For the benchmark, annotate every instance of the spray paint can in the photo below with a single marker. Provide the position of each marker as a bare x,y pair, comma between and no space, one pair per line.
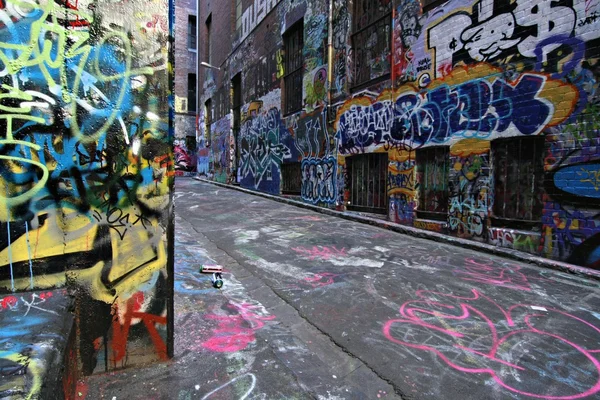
217,280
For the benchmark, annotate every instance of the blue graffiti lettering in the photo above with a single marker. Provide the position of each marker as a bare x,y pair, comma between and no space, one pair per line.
476,108
318,183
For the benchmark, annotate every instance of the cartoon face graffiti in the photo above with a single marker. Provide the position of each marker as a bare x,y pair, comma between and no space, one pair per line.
488,39
410,28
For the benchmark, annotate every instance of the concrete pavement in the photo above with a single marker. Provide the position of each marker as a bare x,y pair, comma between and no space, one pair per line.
239,342
319,307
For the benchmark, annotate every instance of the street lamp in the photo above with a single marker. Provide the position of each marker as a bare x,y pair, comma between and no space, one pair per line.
207,65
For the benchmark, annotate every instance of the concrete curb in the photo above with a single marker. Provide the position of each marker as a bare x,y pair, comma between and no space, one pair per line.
420,233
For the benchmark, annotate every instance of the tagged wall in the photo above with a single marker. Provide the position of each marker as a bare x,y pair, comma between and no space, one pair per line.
463,76
86,168
469,73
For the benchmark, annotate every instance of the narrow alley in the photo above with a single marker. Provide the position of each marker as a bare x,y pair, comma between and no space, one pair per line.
315,306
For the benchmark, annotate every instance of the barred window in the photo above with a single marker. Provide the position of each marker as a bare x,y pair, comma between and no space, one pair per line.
432,176
294,67
367,174
291,178
518,173
371,40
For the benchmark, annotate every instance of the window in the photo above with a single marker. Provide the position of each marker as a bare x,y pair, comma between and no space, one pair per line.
367,174
208,120
208,44
192,32
190,143
291,178
191,93
238,17
431,4
292,80
432,176
518,173
371,40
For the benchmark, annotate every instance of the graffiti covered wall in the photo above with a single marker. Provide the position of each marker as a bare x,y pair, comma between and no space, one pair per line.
476,77
468,73
86,168
268,138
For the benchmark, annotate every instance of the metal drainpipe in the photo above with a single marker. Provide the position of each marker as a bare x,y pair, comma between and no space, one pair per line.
329,56
330,71
393,49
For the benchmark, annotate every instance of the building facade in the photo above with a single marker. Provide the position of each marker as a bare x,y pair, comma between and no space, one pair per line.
477,119
186,39
87,182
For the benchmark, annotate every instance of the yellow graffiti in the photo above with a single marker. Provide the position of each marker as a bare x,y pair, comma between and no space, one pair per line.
470,146
130,267
592,177
10,202
253,110
32,380
408,177
279,58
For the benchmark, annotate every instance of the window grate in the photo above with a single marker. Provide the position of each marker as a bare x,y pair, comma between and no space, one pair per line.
291,177
432,169
518,172
368,174
294,67
371,40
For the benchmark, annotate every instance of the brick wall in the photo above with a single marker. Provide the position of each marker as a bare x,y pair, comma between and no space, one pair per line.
185,63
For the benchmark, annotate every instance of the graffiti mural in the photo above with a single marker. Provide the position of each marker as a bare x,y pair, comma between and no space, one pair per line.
466,75
478,108
86,162
318,180
261,151
219,149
